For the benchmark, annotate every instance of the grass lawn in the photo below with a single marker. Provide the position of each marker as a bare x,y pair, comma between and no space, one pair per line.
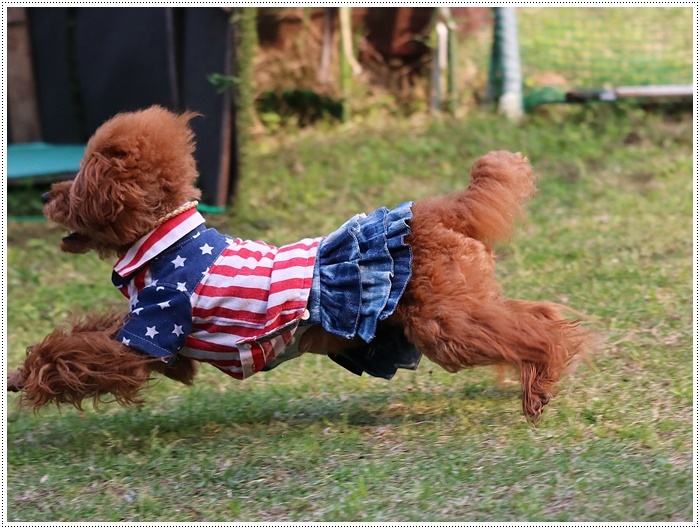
610,234
597,46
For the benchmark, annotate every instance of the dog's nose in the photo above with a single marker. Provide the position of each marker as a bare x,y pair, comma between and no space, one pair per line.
46,197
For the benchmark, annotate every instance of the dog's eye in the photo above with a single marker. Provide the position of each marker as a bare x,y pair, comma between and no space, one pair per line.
114,152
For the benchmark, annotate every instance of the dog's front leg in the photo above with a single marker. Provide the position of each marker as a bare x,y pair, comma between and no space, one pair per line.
81,361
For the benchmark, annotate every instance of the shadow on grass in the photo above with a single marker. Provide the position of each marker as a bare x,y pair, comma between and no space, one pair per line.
260,413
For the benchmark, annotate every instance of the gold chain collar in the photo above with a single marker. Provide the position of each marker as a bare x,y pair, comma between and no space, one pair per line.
185,207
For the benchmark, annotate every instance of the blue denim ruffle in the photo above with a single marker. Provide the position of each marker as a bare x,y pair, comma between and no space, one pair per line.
361,272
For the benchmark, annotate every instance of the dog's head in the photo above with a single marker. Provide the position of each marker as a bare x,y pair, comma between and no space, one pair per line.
138,167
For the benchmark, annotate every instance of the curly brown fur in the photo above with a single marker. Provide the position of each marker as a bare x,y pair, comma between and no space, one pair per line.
84,361
453,309
139,166
488,209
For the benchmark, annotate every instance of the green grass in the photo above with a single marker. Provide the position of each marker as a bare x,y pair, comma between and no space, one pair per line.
597,46
610,234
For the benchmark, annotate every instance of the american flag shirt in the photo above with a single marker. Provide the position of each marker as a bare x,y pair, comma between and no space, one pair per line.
232,303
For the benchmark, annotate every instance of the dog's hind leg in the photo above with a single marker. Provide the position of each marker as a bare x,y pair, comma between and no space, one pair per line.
565,338
454,313
464,332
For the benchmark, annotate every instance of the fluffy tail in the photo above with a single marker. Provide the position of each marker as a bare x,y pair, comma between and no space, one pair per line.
487,210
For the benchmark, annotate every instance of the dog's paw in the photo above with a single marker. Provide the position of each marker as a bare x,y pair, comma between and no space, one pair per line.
533,410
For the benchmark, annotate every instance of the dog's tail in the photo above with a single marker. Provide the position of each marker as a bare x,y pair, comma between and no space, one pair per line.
487,210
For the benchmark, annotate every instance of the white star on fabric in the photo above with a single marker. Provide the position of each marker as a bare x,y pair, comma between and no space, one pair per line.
126,341
179,261
178,330
182,287
137,311
229,241
151,331
134,301
206,249
164,304
154,282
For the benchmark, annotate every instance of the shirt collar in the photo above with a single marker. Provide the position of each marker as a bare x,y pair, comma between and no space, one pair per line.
155,242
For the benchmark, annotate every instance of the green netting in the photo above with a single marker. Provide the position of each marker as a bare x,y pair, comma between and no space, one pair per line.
575,48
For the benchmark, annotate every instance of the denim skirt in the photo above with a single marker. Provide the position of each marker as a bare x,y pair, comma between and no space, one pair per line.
361,272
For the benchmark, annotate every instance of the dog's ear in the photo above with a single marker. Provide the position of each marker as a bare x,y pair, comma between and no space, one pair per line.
154,146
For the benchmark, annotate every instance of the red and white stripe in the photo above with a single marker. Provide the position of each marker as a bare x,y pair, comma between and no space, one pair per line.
248,305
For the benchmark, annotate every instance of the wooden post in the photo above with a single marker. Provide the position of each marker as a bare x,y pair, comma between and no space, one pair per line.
326,49
451,60
349,66
511,100
246,39
440,54
21,88
345,15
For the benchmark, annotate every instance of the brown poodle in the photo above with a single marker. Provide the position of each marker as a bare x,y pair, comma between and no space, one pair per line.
373,296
